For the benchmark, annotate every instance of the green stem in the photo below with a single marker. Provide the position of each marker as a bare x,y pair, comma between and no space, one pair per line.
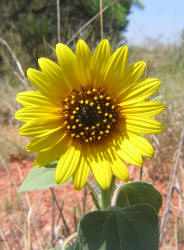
106,195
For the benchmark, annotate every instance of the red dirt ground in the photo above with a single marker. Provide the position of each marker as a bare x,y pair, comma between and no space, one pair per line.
14,232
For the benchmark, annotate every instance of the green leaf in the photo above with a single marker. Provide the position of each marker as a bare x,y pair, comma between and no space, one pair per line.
139,192
131,228
157,98
94,192
95,201
40,178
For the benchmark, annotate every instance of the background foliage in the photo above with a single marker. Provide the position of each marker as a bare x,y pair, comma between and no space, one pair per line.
35,21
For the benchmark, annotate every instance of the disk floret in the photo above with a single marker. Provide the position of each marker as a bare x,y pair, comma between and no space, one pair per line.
90,114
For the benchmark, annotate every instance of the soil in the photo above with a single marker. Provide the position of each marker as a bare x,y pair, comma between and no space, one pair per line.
26,218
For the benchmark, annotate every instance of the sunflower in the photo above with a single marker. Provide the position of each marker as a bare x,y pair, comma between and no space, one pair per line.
89,113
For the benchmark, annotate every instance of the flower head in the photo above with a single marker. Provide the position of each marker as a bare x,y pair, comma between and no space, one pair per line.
88,113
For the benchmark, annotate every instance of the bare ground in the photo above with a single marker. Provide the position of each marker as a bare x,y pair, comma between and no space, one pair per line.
26,220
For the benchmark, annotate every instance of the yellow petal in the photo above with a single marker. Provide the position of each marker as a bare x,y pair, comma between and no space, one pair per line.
143,125
48,156
68,63
81,174
34,98
54,74
141,144
99,60
46,142
129,76
101,170
27,114
127,152
39,128
67,164
144,108
119,169
116,66
40,81
83,57
139,91
133,73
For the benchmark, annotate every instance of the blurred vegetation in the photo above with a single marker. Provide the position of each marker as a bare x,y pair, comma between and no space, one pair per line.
34,22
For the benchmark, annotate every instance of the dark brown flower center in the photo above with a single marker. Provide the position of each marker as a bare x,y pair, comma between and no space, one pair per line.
90,114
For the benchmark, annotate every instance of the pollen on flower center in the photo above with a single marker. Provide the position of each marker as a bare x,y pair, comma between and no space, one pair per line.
90,114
